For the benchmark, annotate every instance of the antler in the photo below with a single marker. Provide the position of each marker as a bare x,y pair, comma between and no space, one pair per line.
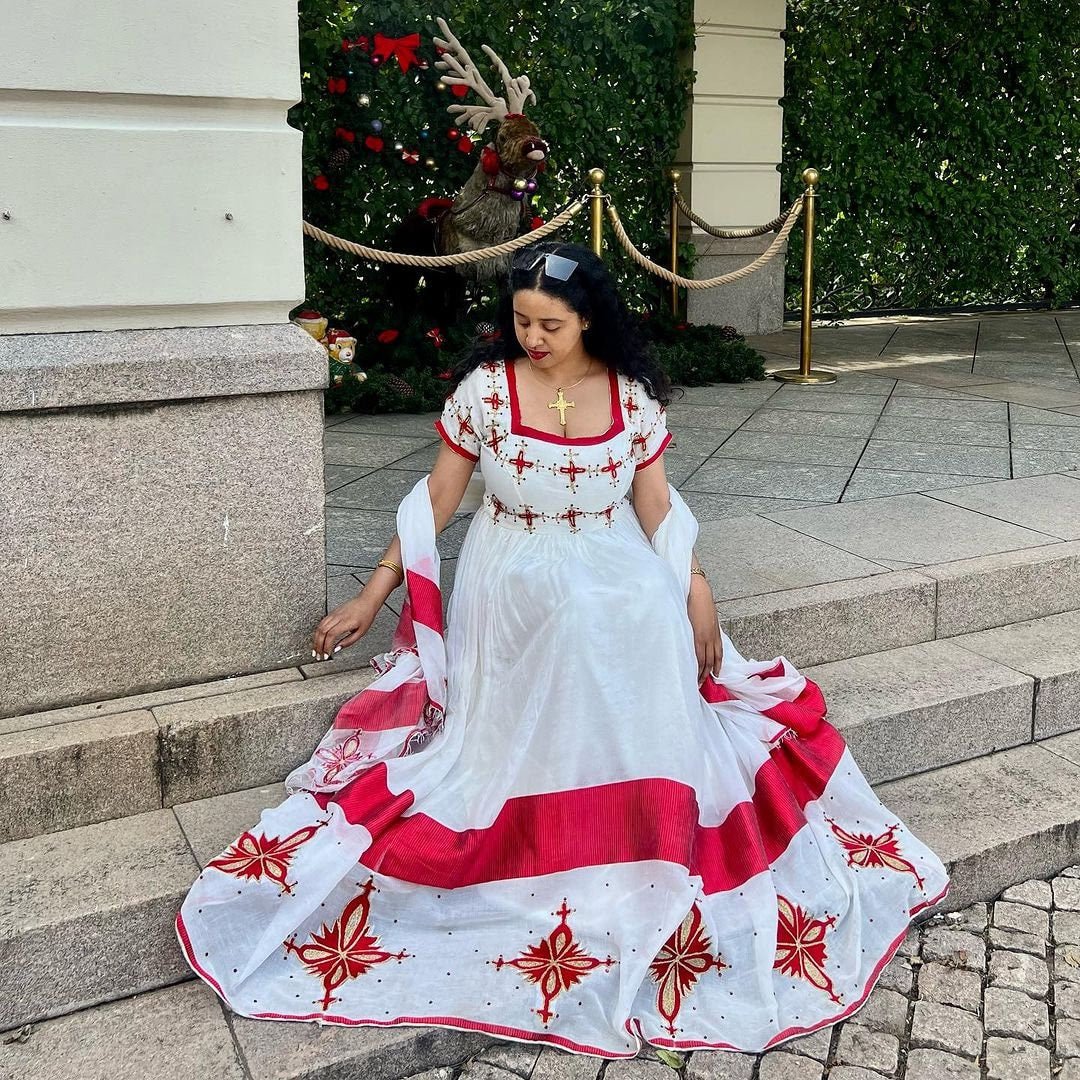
463,72
518,91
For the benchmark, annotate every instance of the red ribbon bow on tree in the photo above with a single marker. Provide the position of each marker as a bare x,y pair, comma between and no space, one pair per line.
404,48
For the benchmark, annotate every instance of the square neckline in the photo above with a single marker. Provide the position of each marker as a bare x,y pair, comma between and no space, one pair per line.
517,427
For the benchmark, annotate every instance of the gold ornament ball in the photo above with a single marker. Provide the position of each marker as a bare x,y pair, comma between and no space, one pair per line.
440,85
520,185
811,177
429,162
364,99
399,147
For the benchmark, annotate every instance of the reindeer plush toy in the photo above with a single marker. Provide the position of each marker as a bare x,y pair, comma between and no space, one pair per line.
493,206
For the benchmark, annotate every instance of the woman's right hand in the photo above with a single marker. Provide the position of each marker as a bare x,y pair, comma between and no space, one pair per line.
344,626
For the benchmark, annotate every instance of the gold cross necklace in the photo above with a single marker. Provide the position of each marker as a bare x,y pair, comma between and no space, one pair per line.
560,401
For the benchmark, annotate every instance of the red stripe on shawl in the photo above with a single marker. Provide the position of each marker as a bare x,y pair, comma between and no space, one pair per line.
380,710
425,599
628,821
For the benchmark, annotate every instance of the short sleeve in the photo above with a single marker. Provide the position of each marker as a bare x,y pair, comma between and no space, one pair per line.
651,435
459,423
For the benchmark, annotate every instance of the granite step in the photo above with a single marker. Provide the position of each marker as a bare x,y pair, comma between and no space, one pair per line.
88,913
91,763
884,649
818,624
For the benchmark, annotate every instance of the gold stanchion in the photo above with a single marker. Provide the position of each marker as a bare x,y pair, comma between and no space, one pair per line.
674,176
596,210
803,374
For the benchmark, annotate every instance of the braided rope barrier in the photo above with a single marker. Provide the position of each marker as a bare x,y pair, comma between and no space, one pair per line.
729,234
459,259
771,251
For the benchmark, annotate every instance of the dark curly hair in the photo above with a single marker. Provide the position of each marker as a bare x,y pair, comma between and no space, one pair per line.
612,336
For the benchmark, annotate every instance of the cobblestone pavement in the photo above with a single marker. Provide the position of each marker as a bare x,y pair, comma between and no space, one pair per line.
988,993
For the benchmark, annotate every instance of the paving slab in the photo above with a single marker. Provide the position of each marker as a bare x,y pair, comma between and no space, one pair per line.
380,490
179,1033
707,506
87,915
937,457
1025,414
407,424
1027,462
756,390
1047,649
708,416
1045,437
748,555
696,442
867,614
360,537
932,431
64,775
909,528
803,422
996,820
869,483
923,706
727,476
817,449
345,447
825,401
968,410
1040,397
236,741
1047,504
1011,586
336,476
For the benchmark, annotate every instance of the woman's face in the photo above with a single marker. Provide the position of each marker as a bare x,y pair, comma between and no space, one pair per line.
548,329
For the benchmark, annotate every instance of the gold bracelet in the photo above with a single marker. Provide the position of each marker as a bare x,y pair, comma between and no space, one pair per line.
392,566
698,570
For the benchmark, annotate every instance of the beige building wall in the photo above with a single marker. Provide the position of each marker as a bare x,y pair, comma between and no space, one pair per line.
128,133
730,151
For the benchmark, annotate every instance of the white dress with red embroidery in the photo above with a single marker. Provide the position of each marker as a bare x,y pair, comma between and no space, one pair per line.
539,825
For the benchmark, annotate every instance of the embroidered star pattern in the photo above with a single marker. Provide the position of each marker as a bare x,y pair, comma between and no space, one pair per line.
867,850
345,949
251,856
557,963
800,946
684,959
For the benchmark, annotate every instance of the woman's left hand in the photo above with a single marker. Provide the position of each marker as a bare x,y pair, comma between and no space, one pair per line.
702,611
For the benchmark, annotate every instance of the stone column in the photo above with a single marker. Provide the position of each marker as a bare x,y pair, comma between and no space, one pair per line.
161,516
729,155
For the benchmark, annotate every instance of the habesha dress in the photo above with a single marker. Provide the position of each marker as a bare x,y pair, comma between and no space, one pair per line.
539,825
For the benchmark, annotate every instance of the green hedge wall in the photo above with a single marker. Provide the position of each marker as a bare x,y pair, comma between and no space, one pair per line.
948,138
611,92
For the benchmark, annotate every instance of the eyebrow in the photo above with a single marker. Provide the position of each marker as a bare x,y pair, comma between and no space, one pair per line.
549,318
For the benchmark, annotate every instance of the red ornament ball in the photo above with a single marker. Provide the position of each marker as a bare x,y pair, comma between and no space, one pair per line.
374,143
320,183
465,144
453,134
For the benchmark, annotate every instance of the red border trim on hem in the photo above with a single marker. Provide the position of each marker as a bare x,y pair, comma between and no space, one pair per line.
518,428
453,445
663,446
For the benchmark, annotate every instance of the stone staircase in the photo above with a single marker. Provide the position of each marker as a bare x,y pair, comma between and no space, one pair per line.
957,687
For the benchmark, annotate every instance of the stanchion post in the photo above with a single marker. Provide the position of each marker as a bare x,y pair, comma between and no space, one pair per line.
804,374
674,176
596,210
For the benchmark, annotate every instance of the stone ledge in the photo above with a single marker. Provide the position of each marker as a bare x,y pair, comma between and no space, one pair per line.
65,371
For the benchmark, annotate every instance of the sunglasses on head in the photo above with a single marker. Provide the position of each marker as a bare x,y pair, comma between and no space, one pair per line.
555,266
